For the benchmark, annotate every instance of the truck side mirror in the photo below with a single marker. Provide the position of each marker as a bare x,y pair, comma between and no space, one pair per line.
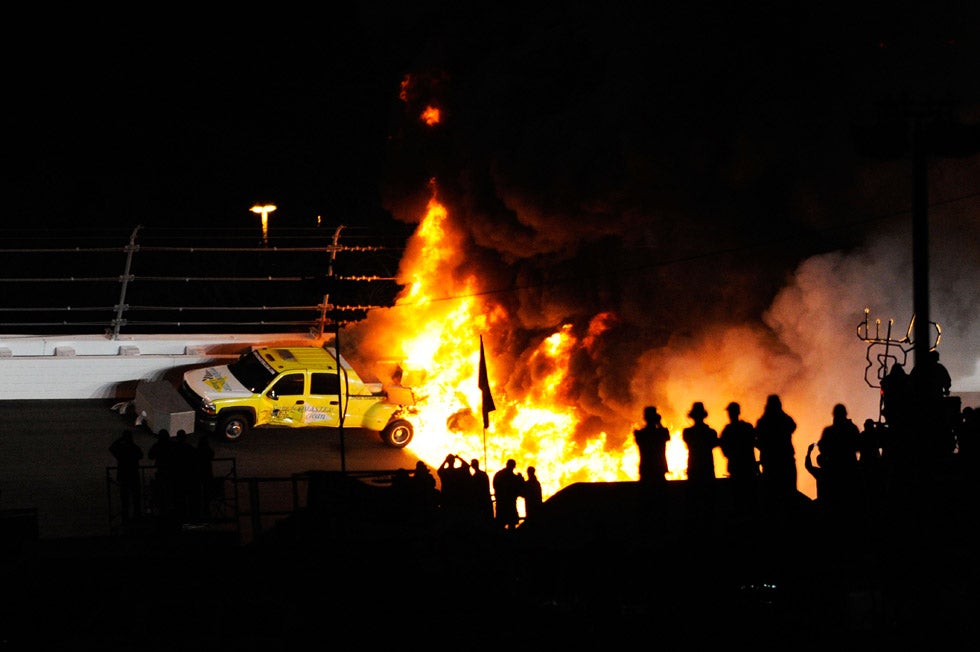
272,394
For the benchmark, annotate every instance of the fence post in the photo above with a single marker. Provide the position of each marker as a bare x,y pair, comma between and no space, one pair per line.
124,282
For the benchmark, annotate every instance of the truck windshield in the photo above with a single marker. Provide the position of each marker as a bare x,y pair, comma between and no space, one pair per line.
252,371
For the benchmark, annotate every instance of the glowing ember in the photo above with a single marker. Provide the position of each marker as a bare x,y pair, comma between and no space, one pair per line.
431,115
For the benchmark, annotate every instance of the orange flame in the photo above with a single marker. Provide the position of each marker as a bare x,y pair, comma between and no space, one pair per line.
431,115
440,321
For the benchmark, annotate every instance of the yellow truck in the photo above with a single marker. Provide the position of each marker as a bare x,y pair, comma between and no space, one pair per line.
295,387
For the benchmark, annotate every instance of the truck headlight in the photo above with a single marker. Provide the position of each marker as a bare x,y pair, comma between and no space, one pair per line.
207,407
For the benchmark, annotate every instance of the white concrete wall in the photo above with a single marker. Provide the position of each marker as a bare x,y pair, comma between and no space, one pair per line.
89,367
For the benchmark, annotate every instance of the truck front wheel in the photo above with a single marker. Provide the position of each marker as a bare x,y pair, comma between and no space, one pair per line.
233,427
398,433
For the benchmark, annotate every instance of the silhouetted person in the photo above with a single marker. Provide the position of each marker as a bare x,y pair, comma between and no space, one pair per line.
481,498
425,495
968,437
401,481
968,453
128,455
933,427
896,396
737,443
701,440
896,434
532,494
205,474
869,460
931,379
454,479
838,460
828,501
816,470
651,442
839,441
869,444
507,488
777,456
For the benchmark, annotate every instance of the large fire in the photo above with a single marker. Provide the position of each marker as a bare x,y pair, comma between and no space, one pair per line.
596,292
589,316
437,323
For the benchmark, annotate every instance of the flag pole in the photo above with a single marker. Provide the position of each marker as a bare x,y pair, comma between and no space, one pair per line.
486,399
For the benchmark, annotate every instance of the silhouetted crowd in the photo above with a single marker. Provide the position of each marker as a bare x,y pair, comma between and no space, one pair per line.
463,493
884,545
921,437
181,489
921,431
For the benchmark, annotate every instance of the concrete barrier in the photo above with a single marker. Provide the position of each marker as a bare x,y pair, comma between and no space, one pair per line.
98,367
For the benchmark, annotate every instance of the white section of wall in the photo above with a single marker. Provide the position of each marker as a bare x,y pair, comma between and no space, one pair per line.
91,367
30,345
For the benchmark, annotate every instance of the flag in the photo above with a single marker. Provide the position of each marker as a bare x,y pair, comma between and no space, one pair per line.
487,401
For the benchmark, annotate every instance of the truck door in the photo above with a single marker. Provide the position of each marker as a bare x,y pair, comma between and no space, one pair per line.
287,397
323,407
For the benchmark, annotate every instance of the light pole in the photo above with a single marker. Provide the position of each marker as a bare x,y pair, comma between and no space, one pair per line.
264,212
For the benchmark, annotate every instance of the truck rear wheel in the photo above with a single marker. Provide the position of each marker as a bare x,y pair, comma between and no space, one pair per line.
398,433
233,427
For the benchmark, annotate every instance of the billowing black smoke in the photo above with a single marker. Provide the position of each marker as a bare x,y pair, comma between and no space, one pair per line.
697,181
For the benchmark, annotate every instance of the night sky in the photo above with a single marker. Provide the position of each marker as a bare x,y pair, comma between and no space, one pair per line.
171,122
697,111
598,156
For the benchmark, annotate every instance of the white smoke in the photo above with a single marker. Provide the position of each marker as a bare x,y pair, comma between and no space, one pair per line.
733,243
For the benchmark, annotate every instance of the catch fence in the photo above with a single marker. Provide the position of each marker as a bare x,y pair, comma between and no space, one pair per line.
196,281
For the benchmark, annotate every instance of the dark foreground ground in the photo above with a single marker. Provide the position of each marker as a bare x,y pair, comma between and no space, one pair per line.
598,569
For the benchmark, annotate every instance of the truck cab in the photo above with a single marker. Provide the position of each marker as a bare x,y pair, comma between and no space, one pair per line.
295,387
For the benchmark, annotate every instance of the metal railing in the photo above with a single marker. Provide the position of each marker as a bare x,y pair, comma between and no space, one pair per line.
244,507
165,286
153,501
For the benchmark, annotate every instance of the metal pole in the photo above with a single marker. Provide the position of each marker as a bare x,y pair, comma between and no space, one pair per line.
125,279
342,397
322,327
340,367
333,252
326,300
920,242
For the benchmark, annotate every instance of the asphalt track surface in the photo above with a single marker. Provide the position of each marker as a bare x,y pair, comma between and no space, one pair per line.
54,455
598,570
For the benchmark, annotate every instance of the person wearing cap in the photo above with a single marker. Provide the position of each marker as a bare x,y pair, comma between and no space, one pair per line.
701,440
737,442
651,441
